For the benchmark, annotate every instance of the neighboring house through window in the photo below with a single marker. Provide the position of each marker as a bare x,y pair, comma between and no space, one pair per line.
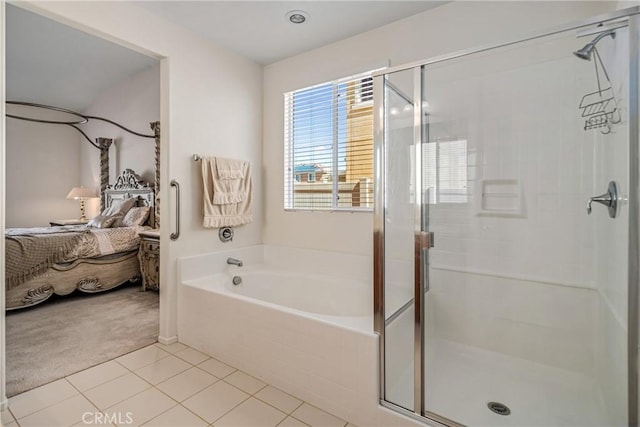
329,146
365,90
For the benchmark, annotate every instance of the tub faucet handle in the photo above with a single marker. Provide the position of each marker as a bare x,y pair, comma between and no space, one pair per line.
234,261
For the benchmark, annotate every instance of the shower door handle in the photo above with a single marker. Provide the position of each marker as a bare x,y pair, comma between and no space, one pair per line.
426,239
609,199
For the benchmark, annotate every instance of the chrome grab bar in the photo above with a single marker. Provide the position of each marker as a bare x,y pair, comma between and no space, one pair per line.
174,236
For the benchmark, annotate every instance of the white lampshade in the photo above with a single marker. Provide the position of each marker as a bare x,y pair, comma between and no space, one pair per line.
81,193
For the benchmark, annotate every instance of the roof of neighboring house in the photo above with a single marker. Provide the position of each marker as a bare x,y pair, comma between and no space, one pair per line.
305,168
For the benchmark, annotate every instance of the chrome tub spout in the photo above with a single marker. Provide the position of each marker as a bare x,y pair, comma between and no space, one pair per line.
233,261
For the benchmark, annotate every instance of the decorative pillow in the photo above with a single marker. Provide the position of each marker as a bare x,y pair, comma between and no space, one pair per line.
102,221
136,216
120,207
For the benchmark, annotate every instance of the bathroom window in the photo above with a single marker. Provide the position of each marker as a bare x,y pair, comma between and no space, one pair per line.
329,146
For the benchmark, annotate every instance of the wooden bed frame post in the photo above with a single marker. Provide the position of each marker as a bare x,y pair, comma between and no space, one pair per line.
155,126
104,144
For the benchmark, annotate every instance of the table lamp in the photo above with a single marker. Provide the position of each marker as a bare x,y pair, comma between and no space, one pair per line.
81,193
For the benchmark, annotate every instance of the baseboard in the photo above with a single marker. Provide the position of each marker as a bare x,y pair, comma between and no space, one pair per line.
167,341
4,404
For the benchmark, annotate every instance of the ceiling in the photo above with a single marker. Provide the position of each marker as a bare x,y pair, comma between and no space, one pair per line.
259,29
53,64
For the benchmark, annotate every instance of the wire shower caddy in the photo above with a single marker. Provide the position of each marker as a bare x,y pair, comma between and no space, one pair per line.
600,108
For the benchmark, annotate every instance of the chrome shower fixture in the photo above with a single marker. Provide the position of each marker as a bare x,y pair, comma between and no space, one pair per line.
585,52
599,109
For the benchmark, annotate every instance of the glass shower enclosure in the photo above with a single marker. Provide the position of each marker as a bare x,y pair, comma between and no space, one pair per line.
506,231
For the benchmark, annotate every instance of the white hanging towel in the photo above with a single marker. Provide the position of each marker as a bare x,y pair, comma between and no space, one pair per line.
227,192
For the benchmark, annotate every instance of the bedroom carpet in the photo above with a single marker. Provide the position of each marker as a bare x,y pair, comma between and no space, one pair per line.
68,334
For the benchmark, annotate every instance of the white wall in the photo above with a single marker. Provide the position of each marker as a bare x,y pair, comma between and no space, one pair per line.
210,104
133,103
448,28
43,164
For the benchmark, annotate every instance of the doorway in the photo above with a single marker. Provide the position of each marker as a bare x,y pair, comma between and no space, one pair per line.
53,64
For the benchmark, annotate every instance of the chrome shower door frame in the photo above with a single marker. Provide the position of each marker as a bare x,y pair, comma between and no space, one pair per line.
633,262
633,273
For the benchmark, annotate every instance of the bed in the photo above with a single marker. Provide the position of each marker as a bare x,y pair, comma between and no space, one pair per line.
59,260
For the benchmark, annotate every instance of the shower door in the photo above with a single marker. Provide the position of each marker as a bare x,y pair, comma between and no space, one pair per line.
505,270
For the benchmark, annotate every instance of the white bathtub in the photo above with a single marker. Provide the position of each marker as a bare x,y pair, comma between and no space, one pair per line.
307,333
343,302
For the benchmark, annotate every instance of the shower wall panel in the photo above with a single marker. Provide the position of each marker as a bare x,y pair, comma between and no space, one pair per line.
514,281
611,164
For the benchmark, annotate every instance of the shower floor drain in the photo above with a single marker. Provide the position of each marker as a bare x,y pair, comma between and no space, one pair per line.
499,408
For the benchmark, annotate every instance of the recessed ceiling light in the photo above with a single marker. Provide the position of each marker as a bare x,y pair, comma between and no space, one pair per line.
297,16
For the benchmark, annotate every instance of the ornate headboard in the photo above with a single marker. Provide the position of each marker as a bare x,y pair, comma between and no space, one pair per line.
129,185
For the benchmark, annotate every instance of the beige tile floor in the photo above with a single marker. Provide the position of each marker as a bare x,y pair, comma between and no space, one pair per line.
159,385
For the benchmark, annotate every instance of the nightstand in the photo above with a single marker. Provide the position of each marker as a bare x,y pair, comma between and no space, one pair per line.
149,257
68,222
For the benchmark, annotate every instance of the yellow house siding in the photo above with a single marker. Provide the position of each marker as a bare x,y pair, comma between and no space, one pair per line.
359,152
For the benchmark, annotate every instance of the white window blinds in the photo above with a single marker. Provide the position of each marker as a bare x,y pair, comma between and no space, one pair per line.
329,146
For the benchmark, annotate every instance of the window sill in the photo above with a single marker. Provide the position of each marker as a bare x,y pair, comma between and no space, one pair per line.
363,210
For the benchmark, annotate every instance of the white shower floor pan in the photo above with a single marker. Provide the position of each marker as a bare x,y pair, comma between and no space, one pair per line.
461,381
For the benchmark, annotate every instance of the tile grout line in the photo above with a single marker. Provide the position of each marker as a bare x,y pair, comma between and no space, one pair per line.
15,419
222,378
239,403
143,391
249,396
161,413
166,379
266,384
189,348
83,395
126,398
140,367
57,403
326,412
97,385
178,403
191,395
188,410
48,406
267,403
154,386
302,402
291,416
